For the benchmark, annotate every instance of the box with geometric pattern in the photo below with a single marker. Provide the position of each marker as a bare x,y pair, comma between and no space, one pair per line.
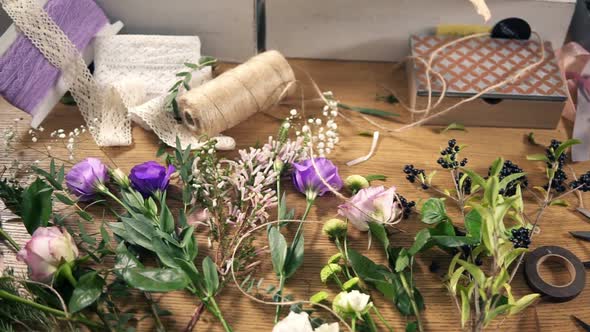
469,66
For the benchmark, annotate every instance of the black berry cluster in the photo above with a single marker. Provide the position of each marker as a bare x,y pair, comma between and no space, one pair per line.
510,168
412,173
583,182
406,205
448,157
521,237
558,182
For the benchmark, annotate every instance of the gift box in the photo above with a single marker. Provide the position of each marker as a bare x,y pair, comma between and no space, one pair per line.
535,100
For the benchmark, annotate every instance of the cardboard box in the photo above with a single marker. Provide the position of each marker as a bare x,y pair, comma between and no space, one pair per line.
227,28
536,100
378,30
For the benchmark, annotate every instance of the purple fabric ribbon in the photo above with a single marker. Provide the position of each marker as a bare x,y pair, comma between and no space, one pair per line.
25,75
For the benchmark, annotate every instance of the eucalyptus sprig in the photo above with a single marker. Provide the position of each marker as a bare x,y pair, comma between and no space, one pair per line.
184,81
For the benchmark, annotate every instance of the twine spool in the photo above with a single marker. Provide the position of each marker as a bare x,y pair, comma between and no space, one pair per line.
237,94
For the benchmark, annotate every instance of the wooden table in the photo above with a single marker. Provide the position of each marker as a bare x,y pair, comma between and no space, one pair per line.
357,83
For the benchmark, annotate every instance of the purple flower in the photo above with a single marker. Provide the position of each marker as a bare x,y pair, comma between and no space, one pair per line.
47,249
149,177
308,182
86,178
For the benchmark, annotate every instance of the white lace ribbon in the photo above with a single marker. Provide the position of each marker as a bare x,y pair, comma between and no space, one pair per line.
106,108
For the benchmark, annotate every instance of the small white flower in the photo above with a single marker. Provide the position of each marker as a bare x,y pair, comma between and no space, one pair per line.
310,121
318,122
353,302
34,139
294,323
286,125
293,112
62,136
328,328
60,131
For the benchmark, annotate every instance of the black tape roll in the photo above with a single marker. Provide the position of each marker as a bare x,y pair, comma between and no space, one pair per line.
556,293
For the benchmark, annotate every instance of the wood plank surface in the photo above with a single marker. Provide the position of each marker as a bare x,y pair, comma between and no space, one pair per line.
354,83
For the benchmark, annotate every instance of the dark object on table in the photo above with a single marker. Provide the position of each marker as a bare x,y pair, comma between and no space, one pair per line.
512,28
581,323
549,291
580,25
584,212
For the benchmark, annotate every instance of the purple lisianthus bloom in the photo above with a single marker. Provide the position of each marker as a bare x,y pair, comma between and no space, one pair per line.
309,182
375,204
149,177
87,178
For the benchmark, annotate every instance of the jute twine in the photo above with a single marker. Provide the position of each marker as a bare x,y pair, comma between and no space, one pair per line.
237,94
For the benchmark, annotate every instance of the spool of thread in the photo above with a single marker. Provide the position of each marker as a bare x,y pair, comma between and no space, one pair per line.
551,291
27,80
237,94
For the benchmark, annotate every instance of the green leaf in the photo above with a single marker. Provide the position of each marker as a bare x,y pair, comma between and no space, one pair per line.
125,260
64,199
328,271
565,145
191,65
210,276
36,205
473,224
559,202
454,280
50,177
278,250
294,257
476,178
454,126
412,327
454,241
139,231
537,157
375,177
87,291
165,253
419,241
402,261
191,271
378,230
318,297
84,215
443,228
433,211
166,219
492,191
496,167
531,138
523,303
507,180
475,271
155,279
366,133
465,308
370,111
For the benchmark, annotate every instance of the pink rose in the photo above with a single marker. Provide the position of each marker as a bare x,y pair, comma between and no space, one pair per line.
47,249
371,204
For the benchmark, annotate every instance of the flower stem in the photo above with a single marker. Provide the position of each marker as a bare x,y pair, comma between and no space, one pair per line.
56,312
410,293
9,239
382,319
217,312
67,272
353,324
279,297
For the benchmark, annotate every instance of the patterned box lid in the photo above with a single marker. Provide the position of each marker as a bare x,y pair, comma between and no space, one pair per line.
474,64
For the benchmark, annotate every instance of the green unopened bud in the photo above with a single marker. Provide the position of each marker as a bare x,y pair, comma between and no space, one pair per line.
335,228
355,183
120,178
284,131
279,165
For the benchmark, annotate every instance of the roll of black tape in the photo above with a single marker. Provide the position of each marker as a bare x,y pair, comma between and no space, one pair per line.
555,293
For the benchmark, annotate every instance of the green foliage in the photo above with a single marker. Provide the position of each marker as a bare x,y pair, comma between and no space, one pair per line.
36,205
11,194
433,211
369,111
185,78
454,126
87,291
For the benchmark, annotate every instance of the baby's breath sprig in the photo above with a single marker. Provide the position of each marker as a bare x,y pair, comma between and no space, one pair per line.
320,132
184,81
